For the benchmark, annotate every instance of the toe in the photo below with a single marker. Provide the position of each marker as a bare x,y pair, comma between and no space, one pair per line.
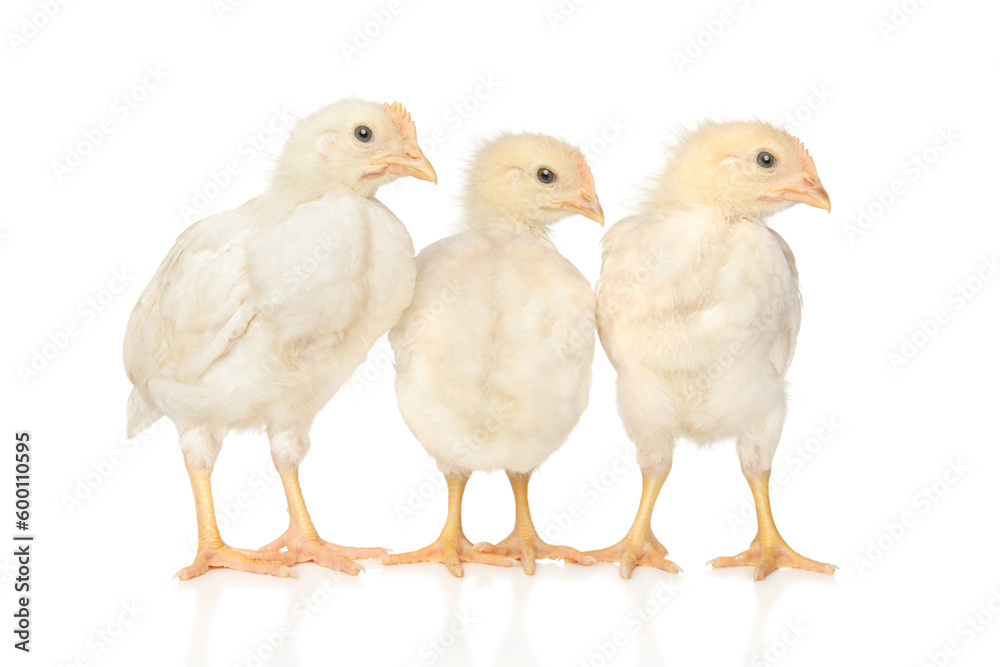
568,554
528,561
354,552
196,569
627,564
332,561
485,547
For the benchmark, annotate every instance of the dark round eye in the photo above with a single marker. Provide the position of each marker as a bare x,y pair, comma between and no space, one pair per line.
765,159
546,175
363,134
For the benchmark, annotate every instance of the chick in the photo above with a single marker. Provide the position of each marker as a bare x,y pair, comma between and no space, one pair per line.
493,357
258,315
698,309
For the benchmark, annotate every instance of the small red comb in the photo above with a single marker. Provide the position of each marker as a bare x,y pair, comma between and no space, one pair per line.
401,117
807,160
585,175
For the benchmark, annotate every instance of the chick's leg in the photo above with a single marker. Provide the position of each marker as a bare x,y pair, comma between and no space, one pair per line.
768,551
640,546
288,447
301,539
451,547
212,551
523,542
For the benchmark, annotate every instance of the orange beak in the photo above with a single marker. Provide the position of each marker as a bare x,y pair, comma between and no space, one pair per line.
409,164
808,191
586,204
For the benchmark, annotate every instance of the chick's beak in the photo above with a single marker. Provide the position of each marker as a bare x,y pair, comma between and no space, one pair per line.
808,191
412,163
586,204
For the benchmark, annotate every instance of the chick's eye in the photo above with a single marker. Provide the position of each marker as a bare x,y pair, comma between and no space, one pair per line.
363,134
765,159
546,175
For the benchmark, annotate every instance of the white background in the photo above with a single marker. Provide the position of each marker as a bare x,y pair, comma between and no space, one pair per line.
865,437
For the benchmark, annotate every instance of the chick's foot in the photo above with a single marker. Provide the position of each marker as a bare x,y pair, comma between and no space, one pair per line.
767,555
638,548
219,554
527,547
306,546
452,550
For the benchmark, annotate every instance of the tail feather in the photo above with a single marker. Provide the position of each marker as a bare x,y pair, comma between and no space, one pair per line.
141,415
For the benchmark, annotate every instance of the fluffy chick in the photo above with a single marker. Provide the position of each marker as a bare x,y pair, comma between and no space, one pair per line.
698,310
493,357
258,315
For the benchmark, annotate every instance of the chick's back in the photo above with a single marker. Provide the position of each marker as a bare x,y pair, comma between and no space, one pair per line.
494,353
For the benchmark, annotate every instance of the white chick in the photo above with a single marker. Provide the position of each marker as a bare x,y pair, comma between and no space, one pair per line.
258,315
493,357
698,310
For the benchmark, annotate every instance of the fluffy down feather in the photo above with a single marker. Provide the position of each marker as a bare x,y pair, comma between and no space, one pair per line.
493,356
258,315
698,309
698,300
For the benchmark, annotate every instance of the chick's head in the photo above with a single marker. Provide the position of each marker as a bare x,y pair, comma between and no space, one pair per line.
531,179
352,145
744,168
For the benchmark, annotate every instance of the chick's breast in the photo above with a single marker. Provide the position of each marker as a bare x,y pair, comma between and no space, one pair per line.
698,315
494,353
